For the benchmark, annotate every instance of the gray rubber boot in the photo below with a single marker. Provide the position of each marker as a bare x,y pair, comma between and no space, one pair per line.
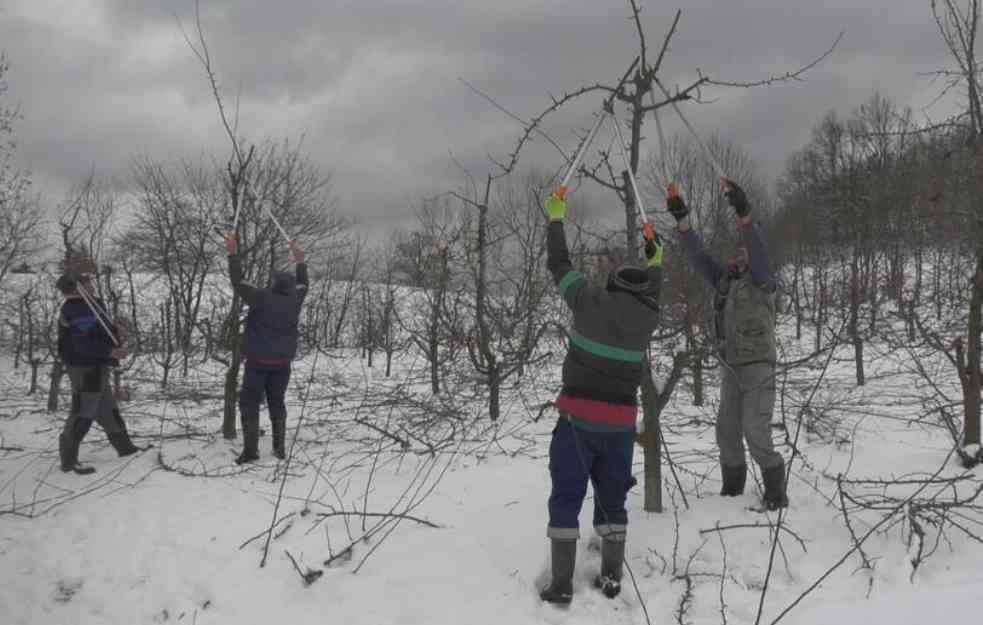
563,557
612,565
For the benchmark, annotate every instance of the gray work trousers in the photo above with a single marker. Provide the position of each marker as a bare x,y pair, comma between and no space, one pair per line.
747,400
92,399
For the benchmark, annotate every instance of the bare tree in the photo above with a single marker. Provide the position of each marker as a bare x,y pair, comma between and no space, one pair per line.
430,257
506,261
21,219
172,235
279,181
388,336
958,24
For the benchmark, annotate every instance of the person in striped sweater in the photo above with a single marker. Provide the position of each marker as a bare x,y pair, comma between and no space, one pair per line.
598,406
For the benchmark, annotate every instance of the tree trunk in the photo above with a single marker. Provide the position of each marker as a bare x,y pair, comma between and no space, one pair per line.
35,365
796,304
972,376
820,299
165,365
937,283
494,392
919,270
698,395
870,287
691,346
485,359
231,394
19,345
653,403
57,371
652,448
855,298
434,366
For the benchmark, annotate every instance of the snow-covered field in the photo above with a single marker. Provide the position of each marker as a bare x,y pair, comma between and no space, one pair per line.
404,508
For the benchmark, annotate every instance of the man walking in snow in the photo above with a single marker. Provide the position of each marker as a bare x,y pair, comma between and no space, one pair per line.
595,434
744,321
87,349
269,345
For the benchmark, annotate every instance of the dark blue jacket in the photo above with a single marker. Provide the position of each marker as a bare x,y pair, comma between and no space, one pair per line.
274,314
82,341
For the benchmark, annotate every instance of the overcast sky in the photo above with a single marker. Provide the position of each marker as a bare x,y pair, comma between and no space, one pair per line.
373,85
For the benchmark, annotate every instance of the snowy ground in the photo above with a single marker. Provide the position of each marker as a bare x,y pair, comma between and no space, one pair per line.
457,519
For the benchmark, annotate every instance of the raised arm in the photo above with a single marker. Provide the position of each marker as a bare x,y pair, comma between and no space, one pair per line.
300,259
246,291
573,284
757,252
702,262
654,252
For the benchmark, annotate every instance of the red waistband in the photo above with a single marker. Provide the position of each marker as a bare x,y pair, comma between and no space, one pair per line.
598,411
266,361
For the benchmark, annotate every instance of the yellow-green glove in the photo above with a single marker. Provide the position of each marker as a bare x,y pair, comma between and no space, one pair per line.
556,208
653,252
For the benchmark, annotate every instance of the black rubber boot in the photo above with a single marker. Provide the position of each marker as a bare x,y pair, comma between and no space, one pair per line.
246,457
279,432
78,467
612,563
122,444
733,480
68,448
67,451
122,426
563,556
774,480
250,438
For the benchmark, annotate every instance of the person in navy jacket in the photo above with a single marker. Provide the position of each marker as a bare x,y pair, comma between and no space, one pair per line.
269,346
88,351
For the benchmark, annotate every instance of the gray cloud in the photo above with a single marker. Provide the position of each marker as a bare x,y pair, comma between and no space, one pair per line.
373,85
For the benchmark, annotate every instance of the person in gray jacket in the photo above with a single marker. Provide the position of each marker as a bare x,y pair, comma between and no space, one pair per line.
744,323
269,346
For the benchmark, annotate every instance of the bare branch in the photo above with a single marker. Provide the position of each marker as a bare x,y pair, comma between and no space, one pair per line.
665,43
495,103
794,75
204,57
636,12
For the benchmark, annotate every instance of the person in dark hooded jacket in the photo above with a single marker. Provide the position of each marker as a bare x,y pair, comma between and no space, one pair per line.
86,346
269,345
594,437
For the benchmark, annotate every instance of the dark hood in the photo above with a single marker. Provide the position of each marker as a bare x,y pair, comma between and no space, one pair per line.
629,279
284,283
